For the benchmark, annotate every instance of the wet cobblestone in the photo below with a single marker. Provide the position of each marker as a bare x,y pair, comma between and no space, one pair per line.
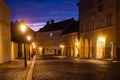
71,69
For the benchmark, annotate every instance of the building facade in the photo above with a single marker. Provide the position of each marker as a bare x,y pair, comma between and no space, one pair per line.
69,40
49,37
19,39
5,42
99,29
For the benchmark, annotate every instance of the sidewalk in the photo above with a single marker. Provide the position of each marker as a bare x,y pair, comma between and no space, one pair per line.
98,61
15,70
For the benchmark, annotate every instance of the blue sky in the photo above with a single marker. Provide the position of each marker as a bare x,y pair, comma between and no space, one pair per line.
37,12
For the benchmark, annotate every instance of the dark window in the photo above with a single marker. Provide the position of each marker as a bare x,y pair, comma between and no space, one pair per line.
98,1
81,10
100,8
99,22
89,5
109,19
119,20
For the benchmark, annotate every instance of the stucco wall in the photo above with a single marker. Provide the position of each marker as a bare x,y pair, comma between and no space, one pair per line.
5,38
50,44
14,50
69,42
108,34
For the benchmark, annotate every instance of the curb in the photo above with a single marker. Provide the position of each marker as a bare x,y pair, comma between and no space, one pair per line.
29,75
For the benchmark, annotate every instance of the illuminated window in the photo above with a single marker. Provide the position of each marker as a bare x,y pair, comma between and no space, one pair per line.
51,34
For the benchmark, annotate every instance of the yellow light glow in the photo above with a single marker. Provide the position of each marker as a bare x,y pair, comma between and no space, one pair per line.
29,38
23,28
40,48
61,46
102,40
33,43
34,46
76,44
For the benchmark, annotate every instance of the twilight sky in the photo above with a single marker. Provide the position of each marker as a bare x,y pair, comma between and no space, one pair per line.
37,12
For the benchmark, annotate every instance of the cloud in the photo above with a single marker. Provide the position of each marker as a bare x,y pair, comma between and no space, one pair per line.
37,12
36,26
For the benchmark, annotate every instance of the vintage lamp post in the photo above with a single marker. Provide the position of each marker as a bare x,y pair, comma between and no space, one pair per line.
29,38
23,29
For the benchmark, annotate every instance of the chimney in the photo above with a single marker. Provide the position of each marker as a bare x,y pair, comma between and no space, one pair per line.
11,22
48,22
52,21
16,21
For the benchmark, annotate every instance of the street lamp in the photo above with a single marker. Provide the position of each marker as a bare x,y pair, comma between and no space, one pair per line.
29,38
23,29
33,44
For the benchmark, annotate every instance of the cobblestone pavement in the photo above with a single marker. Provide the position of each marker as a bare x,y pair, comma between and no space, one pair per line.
64,68
14,70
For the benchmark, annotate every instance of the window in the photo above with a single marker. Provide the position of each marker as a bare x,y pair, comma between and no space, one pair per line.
100,8
81,10
98,1
99,22
119,20
93,23
89,5
51,34
109,19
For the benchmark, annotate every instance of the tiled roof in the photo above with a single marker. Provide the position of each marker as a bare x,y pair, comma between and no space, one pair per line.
56,26
73,27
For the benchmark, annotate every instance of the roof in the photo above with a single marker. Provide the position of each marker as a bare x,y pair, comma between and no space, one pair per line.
6,3
73,27
56,26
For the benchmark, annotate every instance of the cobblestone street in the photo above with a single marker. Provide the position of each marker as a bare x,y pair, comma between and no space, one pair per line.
14,70
64,68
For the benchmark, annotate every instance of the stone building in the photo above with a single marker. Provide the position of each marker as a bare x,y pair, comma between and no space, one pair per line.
18,39
5,42
99,29
49,37
69,40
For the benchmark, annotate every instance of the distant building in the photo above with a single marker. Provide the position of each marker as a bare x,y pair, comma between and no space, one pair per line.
5,42
99,29
49,37
69,40
18,38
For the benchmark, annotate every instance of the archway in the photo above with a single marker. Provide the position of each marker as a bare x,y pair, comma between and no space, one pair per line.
69,52
111,50
92,49
108,48
100,47
73,52
81,48
86,51
76,51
